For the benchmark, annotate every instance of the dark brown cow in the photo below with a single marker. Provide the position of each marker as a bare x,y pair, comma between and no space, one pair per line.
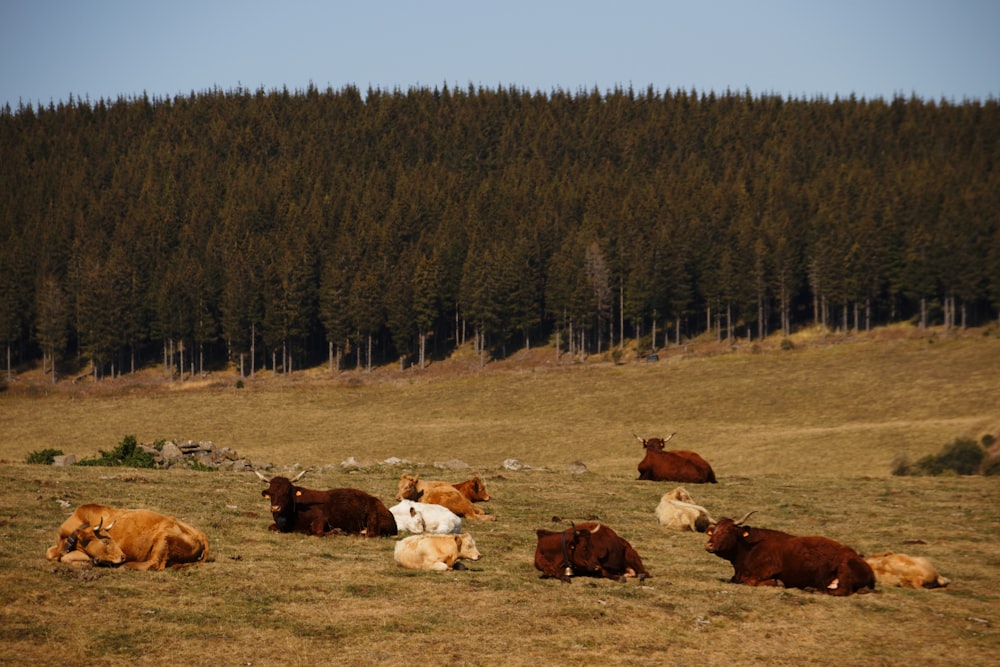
764,557
587,549
674,465
299,510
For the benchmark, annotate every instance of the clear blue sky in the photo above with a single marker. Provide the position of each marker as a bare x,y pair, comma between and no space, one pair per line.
794,48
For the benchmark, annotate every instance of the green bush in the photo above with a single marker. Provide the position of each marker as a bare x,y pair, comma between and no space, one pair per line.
44,456
127,454
962,457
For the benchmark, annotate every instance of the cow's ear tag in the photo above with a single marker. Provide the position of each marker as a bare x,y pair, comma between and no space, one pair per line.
746,533
298,493
266,494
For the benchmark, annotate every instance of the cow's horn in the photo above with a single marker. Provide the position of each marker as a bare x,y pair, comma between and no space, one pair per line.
745,517
300,475
262,478
596,528
639,439
670,436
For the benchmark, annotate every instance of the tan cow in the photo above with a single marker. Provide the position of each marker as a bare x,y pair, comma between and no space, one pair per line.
892,569
136,539
411,488
435,552
678,512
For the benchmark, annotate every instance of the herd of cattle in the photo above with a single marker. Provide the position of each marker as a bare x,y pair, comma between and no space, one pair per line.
433,513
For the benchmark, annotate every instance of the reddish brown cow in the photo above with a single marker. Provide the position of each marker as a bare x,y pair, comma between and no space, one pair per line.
439,493
674,465
299,510
473,489
764,557
587,549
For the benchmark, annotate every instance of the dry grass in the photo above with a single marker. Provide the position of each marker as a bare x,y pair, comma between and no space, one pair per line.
806,437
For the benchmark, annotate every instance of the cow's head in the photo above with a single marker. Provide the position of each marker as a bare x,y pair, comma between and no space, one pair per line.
407,489
654,444
580,548
724,536
96,543
466,546
679,494
477,490
281,493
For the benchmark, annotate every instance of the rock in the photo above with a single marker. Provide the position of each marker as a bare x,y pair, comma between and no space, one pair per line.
64,460
453,464
576,468
513,464
171,452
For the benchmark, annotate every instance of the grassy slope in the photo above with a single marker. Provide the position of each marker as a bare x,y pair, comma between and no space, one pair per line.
805,437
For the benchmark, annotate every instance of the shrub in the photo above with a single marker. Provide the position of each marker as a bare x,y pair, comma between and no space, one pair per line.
127,454
43,456
787,344
962,457
901,466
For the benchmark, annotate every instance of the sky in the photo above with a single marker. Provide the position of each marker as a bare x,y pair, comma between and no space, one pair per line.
92,49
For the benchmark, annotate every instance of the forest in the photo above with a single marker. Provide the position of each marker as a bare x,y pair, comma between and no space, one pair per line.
287,230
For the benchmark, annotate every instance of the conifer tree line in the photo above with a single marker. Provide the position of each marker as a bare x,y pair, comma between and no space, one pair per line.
287,230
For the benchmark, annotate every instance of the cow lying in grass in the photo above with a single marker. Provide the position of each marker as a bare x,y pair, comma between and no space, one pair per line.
892,569
439,493
765,557
135,539
587,549
296,509
414,517
435,552
677,511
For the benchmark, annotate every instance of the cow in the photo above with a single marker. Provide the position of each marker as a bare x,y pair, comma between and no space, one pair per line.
674,465
136,539
435,552
300,510
764,557
892,569
473,489
411,488
414,517
678,512
587,549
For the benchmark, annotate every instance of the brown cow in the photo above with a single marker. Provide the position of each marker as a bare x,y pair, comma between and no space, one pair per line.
473,489
136,539
411,488
764,557
300,510
587,549
674,465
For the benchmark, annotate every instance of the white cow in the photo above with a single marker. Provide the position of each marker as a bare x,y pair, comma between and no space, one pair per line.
435,552
416,517
678,512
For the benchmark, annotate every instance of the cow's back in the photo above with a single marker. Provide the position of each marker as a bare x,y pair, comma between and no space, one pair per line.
164,541
823,564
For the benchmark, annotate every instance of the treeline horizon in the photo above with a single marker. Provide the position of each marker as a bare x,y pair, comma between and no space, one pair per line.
287,230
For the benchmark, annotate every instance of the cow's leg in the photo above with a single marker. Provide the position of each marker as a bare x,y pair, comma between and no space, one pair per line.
75,558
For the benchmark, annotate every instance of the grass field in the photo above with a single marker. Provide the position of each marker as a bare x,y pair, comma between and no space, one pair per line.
806,437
